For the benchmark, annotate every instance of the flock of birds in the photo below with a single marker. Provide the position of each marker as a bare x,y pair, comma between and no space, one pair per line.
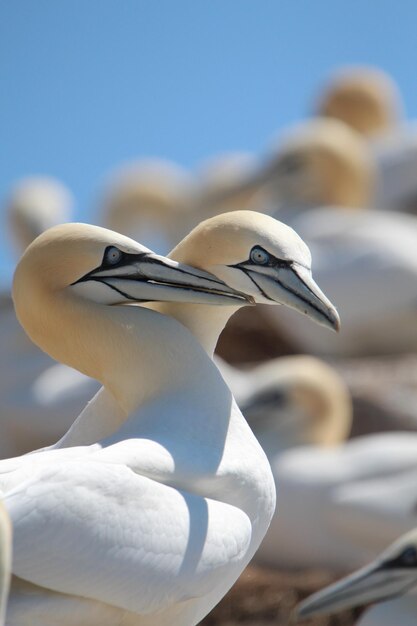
153,501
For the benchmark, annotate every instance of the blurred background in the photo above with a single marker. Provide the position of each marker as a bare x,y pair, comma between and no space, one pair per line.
89,85
180,110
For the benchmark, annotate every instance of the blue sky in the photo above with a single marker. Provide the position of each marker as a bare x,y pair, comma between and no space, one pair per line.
87,84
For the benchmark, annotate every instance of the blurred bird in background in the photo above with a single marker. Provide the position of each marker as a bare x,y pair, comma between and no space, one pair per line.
38,397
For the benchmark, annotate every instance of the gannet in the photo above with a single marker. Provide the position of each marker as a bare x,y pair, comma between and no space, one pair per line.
158,497
291,401
318,162
369,101
391,574
150,199
356,256
356,253
38,399
366,98
340,506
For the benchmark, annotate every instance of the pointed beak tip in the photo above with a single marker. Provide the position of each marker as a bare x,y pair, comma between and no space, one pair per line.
334,320
300,612
305,609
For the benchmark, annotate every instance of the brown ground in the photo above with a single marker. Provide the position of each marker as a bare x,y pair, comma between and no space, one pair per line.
265,597
250,338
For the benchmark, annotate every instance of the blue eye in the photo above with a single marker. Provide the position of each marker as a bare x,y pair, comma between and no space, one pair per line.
259,256
112,255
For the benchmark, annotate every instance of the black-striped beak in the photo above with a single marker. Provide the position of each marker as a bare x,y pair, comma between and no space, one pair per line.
293,285
123,277
376,582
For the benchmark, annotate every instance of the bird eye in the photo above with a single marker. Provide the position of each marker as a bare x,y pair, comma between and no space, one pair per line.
259,256
112,255
291,163
409,556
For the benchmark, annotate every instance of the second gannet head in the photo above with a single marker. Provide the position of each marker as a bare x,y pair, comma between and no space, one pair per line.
366,98
261,257
392,574
320,162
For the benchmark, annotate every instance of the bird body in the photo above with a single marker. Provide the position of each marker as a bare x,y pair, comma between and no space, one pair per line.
395,155
356,255
216,507
159,495
340,506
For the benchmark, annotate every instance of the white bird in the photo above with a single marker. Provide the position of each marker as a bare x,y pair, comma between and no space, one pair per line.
150,199
159,495
340,506
38,399
364,97
316,403
291,401
391,574
356,252
396,158
356,256
369,101
315,163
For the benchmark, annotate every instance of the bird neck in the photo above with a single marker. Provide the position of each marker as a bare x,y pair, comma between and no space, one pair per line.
204,321
132,351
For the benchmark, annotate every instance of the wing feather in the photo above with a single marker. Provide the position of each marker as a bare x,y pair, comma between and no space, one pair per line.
103,532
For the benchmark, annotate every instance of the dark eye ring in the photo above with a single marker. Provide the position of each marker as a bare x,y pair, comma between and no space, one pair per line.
409,556
112,255
291,163
259,256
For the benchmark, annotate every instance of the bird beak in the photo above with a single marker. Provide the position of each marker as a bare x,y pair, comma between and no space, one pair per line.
373,583
293,285
148,277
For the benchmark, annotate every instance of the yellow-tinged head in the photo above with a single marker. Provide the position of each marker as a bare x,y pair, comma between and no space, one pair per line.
365,98
259,256
74,263
321,162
